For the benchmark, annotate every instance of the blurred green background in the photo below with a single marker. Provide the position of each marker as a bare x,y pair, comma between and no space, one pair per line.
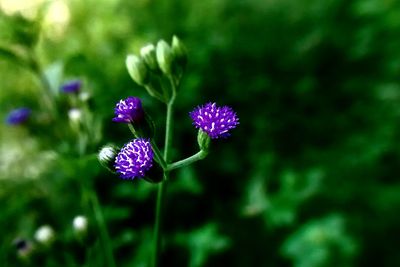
308,179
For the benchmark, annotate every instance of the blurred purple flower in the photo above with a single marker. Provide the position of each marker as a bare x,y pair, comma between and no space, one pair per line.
23,247
18,116
215,121
73,86
129,110
134,159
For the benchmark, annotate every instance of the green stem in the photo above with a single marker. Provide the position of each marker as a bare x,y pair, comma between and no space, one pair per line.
162,187
152,92
157,154
156,150
198,156
168,131
132,130
105,238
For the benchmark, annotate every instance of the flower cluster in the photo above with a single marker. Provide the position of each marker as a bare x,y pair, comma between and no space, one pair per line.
154,68
18,116
215,121
134,159
129,110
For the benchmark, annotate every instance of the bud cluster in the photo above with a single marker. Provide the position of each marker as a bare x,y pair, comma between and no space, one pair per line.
155,63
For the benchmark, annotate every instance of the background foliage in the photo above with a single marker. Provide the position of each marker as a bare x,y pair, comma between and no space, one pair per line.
308,179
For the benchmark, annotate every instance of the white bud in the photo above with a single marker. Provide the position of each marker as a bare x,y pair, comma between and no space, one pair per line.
106,156
84,96
45,235
107,153
75,115
80,224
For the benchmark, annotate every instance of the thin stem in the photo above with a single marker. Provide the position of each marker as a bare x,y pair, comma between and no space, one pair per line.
198,156
133,131
152,92
168,131
105,238
162,187
173,83
158,155
169,121
157,152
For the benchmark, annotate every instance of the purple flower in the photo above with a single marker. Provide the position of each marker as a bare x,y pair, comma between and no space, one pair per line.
129,110
73,86
24,247
134,159
18,116
215,121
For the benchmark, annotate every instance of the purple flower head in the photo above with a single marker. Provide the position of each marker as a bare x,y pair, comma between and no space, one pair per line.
215,121
70,87
24,247
129,110
134,159
18,116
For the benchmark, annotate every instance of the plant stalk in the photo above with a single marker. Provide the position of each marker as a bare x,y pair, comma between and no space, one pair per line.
162,187
104,236
179,164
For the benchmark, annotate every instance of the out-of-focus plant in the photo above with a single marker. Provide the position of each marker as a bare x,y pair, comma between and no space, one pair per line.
62,119
322,242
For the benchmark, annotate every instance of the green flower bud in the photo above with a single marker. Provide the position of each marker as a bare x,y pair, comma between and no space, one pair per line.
204,140
165,57
137,69
107,156
148,54
179,51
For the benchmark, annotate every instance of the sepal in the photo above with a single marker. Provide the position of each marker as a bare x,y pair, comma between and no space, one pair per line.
180,52
204,140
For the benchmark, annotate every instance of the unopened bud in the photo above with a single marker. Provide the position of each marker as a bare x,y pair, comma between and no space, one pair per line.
45,235
165,57
107,156
75,115
80,224
148,54
84,96
137,69
180,51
